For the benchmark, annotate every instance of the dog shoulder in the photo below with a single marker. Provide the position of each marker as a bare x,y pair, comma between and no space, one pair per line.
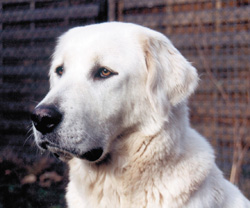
214,190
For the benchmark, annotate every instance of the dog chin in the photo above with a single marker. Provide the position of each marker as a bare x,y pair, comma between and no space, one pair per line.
95,155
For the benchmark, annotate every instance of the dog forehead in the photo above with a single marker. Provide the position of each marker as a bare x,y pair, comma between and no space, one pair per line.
108,44
109,37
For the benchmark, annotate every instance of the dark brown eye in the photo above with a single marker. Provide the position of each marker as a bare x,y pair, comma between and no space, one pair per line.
59,70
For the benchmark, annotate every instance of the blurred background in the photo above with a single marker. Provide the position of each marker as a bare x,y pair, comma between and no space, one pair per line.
213,35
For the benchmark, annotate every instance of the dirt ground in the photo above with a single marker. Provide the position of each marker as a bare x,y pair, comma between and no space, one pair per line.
38,184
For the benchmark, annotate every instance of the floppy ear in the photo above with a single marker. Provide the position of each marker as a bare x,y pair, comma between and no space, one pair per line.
171,78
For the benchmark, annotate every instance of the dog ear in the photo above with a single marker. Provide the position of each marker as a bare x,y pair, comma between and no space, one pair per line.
170,76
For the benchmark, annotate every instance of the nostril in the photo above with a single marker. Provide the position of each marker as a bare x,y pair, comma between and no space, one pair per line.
44,145
34,117
45,118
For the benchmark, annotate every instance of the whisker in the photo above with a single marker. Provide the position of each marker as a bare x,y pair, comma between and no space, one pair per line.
34,101
29,133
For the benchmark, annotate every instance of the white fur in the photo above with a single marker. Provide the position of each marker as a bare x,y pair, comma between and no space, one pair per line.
139,117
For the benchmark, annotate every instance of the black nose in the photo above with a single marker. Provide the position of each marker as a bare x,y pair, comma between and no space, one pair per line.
45,118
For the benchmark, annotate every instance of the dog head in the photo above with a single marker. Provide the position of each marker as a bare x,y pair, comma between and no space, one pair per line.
107,80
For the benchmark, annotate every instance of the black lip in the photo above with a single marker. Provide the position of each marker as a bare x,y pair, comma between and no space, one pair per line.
105,160
93,155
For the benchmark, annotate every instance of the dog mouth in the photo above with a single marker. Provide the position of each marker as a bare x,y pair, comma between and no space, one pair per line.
61,154
93,155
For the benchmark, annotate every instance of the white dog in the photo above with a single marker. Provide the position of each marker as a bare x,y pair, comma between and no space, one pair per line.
117,112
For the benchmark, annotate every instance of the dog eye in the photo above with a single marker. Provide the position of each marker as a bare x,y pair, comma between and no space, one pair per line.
59,70
104,73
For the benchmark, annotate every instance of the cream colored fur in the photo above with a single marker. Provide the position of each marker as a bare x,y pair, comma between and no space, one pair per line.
139,117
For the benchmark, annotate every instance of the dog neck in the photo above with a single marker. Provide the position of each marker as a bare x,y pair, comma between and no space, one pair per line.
138,160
